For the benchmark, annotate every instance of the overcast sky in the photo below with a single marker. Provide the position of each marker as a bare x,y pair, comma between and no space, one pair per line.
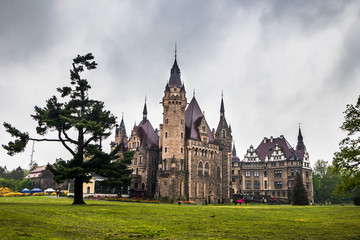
278,63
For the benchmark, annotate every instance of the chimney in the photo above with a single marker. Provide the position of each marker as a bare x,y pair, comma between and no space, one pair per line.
265,139
271,139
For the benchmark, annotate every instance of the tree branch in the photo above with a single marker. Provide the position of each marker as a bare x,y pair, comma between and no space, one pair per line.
68,138
89,140
64,144
46,140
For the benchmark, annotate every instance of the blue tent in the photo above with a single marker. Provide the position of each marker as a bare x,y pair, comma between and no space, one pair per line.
36,190
25,190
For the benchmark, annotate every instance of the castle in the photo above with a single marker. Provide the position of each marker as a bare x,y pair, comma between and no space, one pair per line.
187,160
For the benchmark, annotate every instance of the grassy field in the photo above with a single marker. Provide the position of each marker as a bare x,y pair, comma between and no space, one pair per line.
54,218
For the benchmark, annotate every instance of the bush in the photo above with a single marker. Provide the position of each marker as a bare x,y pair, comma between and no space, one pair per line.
9,183
13,194
38,194
4,190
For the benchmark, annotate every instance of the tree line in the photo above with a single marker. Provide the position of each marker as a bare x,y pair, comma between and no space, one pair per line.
14,179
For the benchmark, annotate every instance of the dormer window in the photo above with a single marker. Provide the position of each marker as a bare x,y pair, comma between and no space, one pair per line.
175,89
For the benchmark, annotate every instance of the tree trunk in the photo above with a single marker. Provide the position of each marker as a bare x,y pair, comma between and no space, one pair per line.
78,192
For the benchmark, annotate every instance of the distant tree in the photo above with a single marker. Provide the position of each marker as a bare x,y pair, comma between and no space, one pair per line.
299,195
347,160
81,124
17,174
325,181
34,166
9,183
26,183
3,171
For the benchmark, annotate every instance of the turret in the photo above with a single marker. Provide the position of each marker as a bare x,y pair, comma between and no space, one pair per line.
300,144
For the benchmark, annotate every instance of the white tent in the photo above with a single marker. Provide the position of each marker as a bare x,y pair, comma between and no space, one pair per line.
49,190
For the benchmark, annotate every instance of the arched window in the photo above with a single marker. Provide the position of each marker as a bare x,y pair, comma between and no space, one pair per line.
195,153
223,132
137,171
196,189
165,165
218,173
143,185
136,185
88,190
206,170
200,169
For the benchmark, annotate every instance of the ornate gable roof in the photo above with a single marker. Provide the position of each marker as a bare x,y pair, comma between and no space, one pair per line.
193,118
267,146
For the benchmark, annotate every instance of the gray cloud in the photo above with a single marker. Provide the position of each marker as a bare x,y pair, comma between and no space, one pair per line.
278,63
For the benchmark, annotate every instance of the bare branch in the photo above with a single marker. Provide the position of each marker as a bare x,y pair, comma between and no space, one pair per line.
68,138
64,144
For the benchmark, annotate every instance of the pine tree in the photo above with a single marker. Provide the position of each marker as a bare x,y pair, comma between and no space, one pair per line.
88,121
299,195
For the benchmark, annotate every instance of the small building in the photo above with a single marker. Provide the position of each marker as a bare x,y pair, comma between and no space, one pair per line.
42,178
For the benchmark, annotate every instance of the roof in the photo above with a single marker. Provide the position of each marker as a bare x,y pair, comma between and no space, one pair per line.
175,76
193,118
37,172
148,135
121,128
266,148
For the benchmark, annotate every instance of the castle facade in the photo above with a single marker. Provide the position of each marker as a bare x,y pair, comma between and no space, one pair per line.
187,160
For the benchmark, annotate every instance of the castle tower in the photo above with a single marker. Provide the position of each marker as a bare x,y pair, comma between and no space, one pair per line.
224,139
173,137
121,137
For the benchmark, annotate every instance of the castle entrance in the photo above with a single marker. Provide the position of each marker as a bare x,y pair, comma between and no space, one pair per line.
211,197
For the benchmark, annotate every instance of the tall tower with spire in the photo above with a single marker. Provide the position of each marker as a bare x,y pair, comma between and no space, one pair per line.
224,139
173,136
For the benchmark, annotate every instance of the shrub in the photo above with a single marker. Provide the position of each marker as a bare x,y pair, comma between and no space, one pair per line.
13,194
4,190
38,194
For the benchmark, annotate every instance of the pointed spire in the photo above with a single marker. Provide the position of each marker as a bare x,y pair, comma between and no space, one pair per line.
145,111
175,51
222,109
300,144
175,73
234,150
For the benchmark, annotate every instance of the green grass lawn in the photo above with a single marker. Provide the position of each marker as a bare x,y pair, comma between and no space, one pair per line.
56,218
